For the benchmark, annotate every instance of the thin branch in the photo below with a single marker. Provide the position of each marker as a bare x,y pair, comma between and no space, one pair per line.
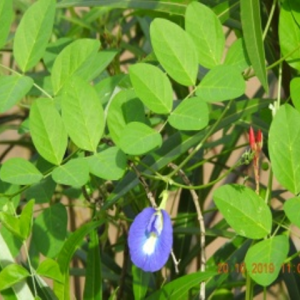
6,151
85,194
145,185
124,267
201,225
176,262
75,261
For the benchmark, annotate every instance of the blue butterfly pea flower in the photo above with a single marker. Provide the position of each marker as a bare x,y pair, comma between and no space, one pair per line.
150,239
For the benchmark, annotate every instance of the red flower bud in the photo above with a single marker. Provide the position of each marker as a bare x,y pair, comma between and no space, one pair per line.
259,139
255,141
252,139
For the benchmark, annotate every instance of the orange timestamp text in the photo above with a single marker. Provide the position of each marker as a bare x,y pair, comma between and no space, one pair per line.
257,268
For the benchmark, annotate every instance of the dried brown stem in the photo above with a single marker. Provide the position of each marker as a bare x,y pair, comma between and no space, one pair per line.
145,185
201,225
176,262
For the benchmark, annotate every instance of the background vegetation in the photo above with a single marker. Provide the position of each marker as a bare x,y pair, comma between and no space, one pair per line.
107,105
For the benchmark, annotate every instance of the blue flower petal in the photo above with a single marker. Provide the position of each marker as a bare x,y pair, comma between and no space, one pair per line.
150,239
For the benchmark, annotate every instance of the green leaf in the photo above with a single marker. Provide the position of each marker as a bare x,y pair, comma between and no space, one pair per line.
141,281
74,173
109,164
190,114
11,275
292,210
47,131
82,113
174,7
20,290
12,224
244,210
153,87
138,138
284,147
72,60
12,241
62,290
221,83
93,278
50,229
53,49
106,87
12,89
33,33
96,64
251,24
178,289
289,36
42,192
9,196
175,51
295,92
264,259
26,219
20,171
6,17
237,55
49,268
123,109
207,33
295,9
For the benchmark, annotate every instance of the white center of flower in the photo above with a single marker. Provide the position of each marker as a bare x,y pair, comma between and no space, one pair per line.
149,246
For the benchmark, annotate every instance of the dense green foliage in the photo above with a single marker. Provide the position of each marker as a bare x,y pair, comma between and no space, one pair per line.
109,106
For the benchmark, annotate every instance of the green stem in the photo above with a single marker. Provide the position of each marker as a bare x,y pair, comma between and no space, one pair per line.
249,287
192,187
163,126
46,174
43,91
209,160
269,19
19,74
291,257
32,271
204,186
282,59
269,187
279,86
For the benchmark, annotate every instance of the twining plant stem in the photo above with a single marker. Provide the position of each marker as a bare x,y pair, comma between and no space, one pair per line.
199,146
32,271
270,67
296,254
204,186
202,162
265,293
269,187
166,179
35,85
201,226
269,19
279,86
249,287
